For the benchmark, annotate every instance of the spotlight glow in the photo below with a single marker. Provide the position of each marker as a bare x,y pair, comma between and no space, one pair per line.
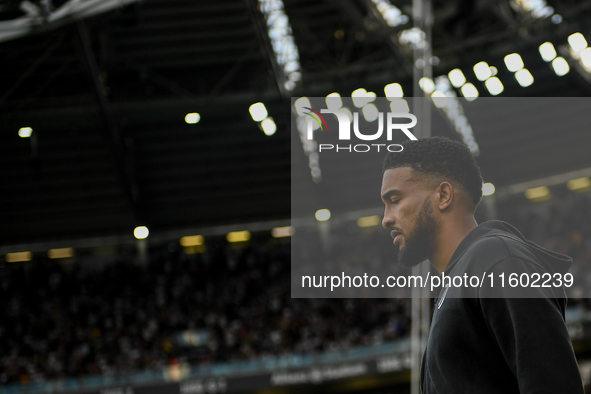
280,232
192,118
439,98
469,91
369,221
482,71
513,62
494,86
25,132
334,101
141,232
583,183
399,106
577,42
269,126
361,97
18,257
524,77
238,236
456,77
61,253
427,85
560,66
258,111
322,215
586,57
488,189
300,106
547,51
370,112
192,240
538,193
393,90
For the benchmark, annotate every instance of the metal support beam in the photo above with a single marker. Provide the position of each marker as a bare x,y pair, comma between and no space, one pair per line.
266,43
123,160
421,302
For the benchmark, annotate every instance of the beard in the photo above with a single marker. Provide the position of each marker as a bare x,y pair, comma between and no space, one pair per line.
417,245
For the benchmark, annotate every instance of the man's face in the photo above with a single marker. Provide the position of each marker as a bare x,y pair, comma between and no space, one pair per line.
408,214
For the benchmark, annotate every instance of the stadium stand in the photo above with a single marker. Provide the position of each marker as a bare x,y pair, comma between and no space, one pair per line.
230,303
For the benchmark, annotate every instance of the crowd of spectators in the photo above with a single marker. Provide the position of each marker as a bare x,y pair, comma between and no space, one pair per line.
561,224
64,320
68,319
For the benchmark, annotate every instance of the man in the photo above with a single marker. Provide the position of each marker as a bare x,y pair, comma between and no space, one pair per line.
489,338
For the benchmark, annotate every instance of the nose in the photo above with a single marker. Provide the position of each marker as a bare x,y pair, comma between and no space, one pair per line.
387,220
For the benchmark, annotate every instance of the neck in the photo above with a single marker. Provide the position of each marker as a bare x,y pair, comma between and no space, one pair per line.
447,240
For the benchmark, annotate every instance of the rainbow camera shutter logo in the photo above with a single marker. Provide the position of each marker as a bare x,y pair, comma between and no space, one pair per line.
315,118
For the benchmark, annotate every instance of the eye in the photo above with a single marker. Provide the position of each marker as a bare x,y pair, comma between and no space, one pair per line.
395,201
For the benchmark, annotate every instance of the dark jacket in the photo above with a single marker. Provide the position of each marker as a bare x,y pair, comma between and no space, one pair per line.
492,340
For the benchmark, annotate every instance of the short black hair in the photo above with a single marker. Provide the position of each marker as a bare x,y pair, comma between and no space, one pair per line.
442,158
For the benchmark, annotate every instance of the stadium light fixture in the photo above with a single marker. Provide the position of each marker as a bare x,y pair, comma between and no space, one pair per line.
482,71
322,215
427,85
192,240
488,189
309,144
281,232
361,97
258,111
268,125
524,77
586,57
60,253
579,184
141,232
560,66
192,118
238,236
369,221
370,112
445,98
538,9
25,132
547,51
414,38
393,91
456,77
469,91
18,257
514,62
577,42
439,98
556,19
334,101
494,86
300,106
399,106
538,193
283,43
392,15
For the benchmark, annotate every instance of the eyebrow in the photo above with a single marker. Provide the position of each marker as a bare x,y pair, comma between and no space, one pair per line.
389,193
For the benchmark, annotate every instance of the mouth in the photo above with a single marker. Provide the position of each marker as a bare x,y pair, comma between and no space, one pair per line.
396,236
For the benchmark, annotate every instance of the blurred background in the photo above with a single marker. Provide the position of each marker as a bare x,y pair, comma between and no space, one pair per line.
145,168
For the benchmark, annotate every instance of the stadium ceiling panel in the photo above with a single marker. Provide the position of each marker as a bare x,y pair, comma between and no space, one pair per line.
102,164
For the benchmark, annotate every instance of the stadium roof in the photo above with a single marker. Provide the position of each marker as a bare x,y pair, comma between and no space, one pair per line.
107,96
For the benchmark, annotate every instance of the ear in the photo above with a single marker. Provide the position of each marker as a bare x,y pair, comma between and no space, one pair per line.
445,195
